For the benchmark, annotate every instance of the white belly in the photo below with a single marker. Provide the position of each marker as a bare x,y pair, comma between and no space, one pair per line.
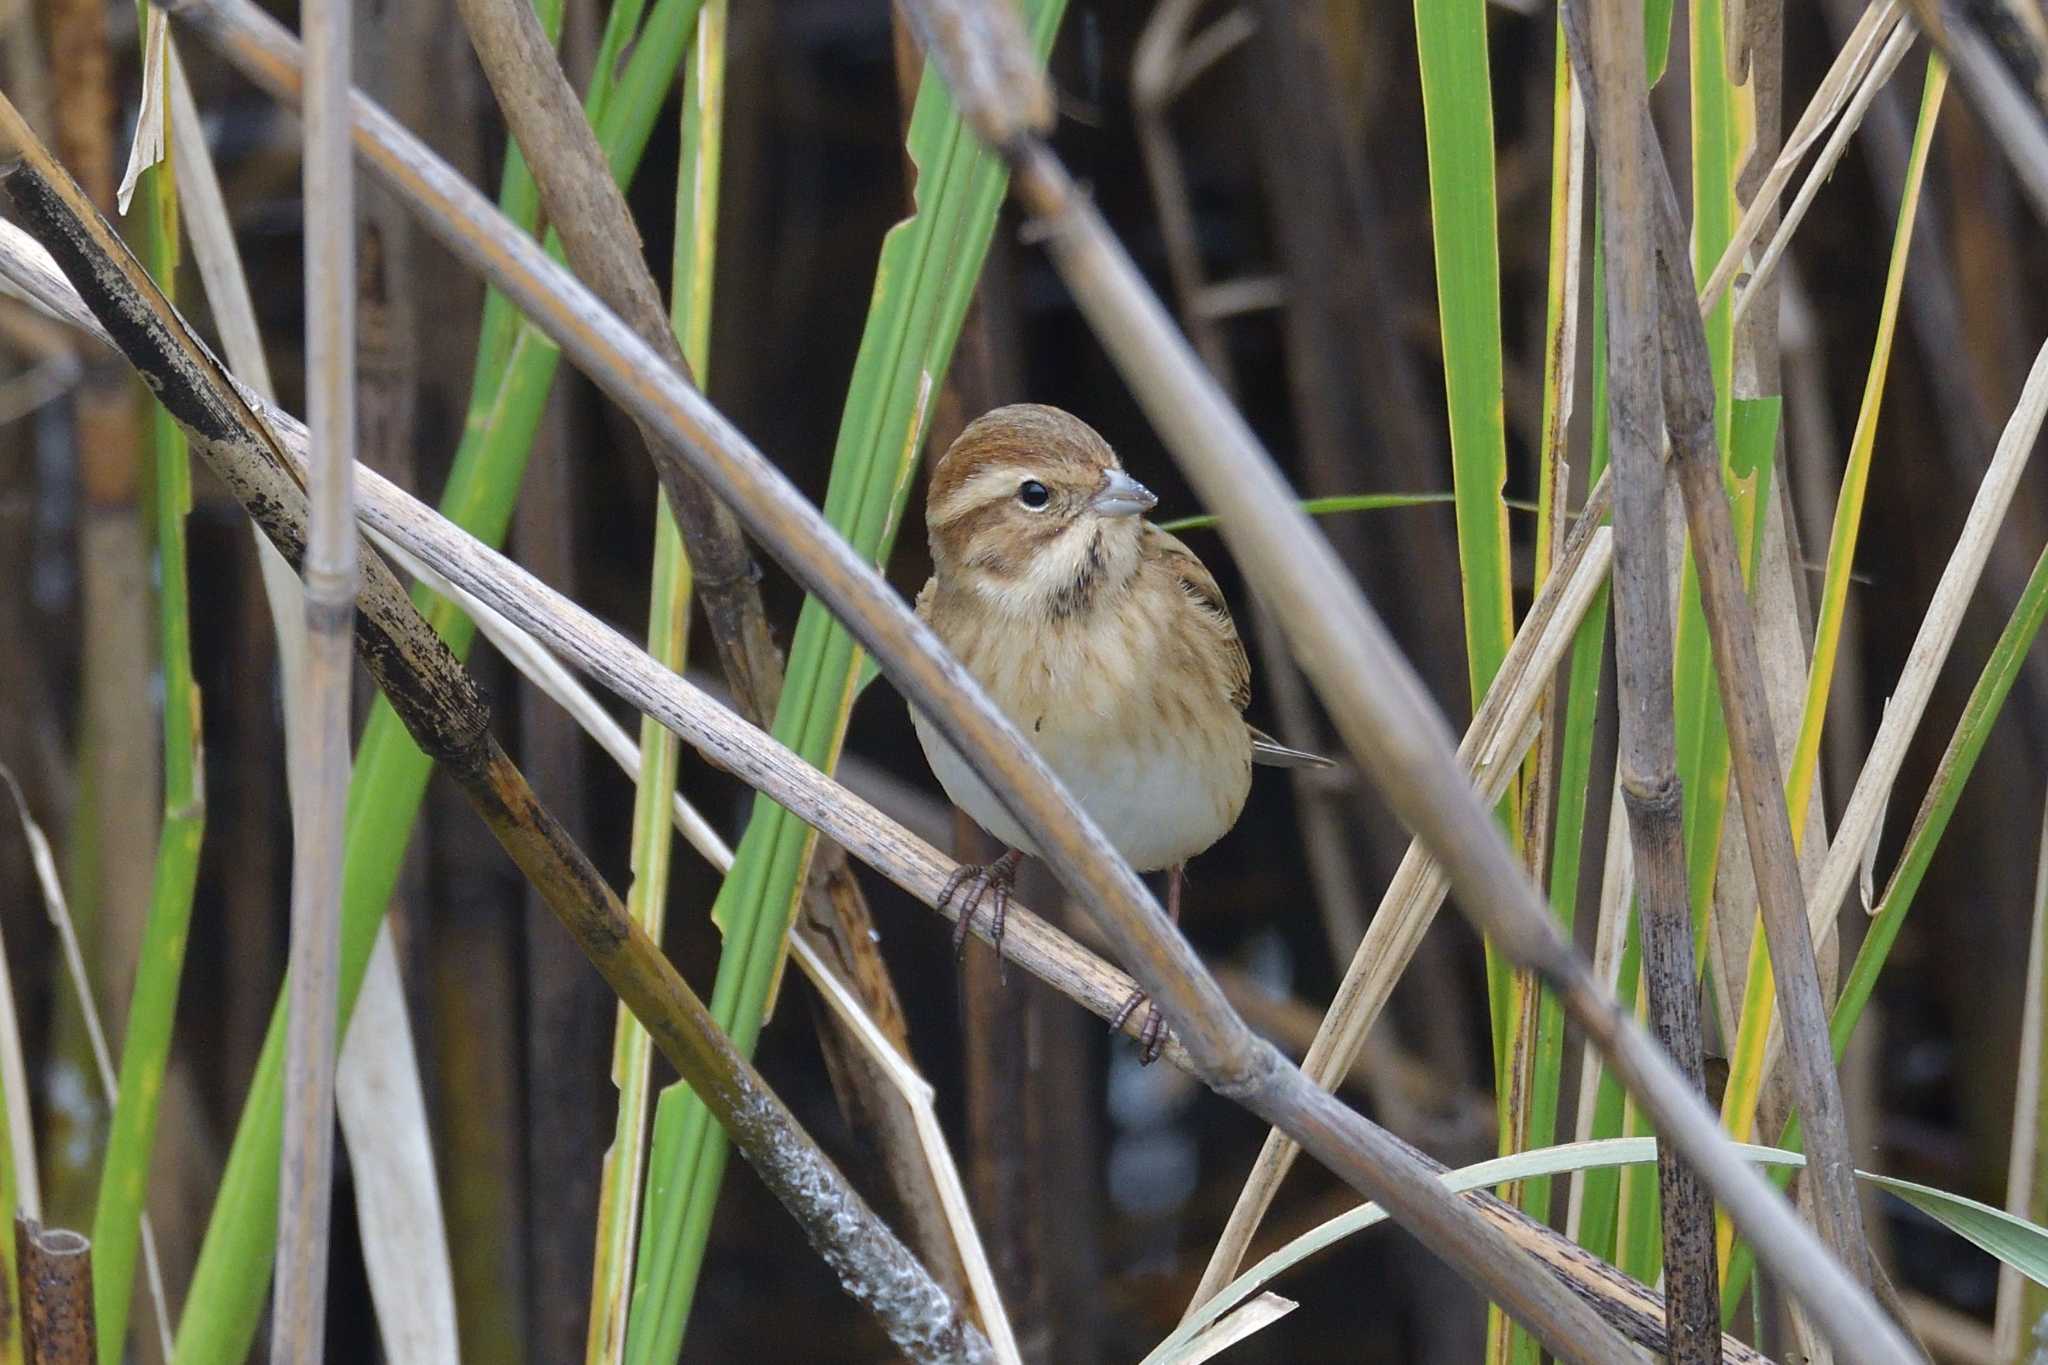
1159,803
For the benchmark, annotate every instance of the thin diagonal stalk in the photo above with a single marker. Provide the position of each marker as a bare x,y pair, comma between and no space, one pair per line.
319,737
1886,62
1491,749
1878,20
445,713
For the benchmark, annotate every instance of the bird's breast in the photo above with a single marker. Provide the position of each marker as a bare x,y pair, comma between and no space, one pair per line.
1160,761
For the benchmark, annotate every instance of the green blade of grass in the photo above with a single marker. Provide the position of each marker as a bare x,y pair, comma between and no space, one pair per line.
1720,117
1457,105
923,281
696,240
1656,37
230,1281
153,1003
1536,1043
1600,1198
1575,761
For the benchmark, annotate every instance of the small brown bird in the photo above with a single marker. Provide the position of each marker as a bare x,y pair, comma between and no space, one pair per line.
1101,637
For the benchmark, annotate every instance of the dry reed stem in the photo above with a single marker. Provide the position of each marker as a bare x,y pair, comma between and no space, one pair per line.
466,566
446,716
54,1271
319,736
1648,762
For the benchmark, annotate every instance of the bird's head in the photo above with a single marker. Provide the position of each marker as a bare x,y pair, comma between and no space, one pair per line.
1032,510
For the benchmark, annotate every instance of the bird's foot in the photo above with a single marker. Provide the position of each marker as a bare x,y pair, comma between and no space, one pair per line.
1151,1034
973,884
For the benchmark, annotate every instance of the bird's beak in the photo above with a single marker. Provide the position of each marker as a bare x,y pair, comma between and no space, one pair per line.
1121,496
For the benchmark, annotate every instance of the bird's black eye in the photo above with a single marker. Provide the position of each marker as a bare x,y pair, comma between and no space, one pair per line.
1033,494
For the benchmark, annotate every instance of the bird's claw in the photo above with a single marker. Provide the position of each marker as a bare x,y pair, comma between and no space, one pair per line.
974,883
1151,1034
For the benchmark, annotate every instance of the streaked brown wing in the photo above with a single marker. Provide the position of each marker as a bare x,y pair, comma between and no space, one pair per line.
1211,615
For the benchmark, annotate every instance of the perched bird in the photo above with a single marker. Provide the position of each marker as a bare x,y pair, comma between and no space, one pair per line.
1101,637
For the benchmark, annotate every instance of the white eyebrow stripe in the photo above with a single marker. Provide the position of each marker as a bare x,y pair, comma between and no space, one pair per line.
986,485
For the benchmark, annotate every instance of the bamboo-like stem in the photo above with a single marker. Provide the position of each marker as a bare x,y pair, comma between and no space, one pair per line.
55,1277
1649,779
447,717
585,205
320,739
